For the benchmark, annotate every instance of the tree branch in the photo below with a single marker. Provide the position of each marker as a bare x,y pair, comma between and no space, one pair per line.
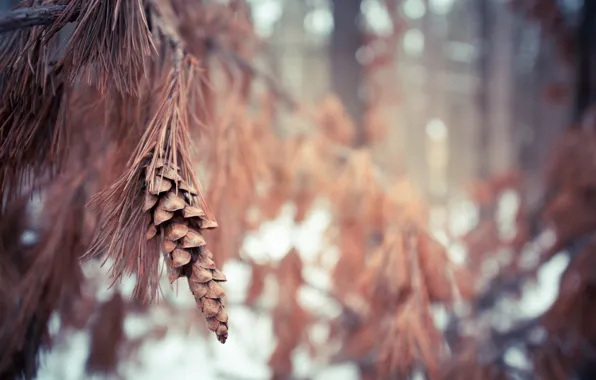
34,16
44,15
214,46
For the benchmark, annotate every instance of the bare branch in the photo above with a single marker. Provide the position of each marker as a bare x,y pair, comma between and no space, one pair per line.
273,85
34,16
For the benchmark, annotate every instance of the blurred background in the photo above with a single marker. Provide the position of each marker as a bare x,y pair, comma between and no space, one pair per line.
464,89
463,101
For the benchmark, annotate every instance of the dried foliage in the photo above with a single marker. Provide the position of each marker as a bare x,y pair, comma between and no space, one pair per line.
108,113
108,100
290,319
40,248
106,336
571,203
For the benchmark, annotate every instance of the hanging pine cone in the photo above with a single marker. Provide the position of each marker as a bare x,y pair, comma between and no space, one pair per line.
171,201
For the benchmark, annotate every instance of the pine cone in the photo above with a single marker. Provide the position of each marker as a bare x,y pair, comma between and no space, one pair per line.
171,202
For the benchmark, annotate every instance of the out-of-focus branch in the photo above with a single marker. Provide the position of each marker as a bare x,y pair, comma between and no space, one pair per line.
585,91
34,16
510,284
216,47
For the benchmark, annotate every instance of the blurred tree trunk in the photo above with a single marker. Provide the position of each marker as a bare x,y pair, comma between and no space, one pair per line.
502,76
586,59
346,72
435,37
485,28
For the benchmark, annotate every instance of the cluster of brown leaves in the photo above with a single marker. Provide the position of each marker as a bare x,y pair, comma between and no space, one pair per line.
379,67
400,280
390,270
568,321
567,209
565,335
290,319
484,239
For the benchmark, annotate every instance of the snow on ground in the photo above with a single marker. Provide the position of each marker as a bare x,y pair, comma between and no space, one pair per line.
184,355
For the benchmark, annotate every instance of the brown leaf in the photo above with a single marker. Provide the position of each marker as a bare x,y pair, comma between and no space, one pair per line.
257,283
433,263
107,334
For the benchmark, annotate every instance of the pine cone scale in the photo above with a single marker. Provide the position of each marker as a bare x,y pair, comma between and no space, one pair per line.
169,199
176,231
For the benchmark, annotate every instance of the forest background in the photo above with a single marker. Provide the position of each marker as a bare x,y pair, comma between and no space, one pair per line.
401,189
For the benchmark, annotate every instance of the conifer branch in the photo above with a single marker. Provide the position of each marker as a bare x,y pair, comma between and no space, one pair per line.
44,15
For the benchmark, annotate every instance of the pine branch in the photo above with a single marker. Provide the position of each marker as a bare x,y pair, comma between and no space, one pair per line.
35,16
45,15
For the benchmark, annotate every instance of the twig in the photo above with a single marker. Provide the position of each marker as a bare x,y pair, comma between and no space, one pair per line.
214,46
34,16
